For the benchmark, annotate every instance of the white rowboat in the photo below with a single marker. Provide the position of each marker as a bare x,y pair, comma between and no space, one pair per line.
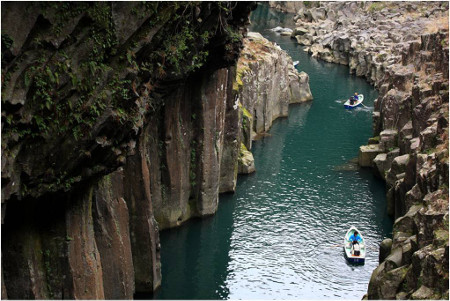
357,103
349,254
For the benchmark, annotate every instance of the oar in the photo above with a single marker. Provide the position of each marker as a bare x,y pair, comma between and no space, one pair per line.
335,246
367,247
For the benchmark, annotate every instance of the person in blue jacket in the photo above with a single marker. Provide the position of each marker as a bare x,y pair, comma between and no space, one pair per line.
355,237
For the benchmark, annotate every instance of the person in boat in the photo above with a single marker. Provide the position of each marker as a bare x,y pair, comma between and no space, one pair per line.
352,101
356,249
355,97
355,238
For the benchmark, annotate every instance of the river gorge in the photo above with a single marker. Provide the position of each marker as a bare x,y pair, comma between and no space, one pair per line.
185,150
278,235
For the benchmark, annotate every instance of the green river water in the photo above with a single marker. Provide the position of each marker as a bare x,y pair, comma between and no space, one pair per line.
279,235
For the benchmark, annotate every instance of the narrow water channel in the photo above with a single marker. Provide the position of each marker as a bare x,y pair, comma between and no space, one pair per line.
279,235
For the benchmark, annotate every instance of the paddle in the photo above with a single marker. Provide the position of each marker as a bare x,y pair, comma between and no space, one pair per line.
367,247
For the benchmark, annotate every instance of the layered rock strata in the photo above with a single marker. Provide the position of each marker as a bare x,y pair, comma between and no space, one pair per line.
267,83
90,87
402,48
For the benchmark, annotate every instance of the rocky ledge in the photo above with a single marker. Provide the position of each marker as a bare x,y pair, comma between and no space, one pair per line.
267,82
402,48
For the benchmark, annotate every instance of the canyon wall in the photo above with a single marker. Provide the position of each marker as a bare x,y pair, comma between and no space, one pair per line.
266,84
112,112
120,119
402,48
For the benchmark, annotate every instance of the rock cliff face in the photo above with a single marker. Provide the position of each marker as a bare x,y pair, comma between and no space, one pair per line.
287,6
369,37
411,121
267,82
112,114
402,48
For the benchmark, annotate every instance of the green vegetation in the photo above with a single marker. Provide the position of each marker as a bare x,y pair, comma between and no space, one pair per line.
308,4
7,42
376,6
90,78
243,149
238,83
246,116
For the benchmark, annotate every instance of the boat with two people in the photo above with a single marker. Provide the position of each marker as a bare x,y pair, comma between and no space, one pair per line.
354,246
354,101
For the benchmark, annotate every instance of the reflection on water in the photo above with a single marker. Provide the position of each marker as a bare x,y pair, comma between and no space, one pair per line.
279,236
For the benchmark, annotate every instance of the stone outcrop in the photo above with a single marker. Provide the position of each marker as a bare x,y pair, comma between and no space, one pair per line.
402,48
267,83
115,120
287,6
246,161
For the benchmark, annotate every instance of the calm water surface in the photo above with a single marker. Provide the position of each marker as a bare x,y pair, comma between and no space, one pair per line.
279,235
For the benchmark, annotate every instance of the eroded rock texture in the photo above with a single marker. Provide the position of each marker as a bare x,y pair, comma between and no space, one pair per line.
267,83
412,124
402,48
112,113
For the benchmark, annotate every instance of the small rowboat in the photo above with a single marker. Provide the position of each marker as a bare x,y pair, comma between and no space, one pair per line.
348,248
357,103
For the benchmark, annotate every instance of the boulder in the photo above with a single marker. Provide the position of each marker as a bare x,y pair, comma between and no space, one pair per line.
414,145
428,138
246,161
413,196
392,282
380,163
394,260
304,40
385,249
318,14
408,249
398,166
374,288
405,136
388,140
300,31
424,293
367,153
299,87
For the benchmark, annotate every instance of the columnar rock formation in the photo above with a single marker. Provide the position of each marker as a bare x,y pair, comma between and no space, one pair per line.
267,82
115,119
119,120
411,124
367,36
402,48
